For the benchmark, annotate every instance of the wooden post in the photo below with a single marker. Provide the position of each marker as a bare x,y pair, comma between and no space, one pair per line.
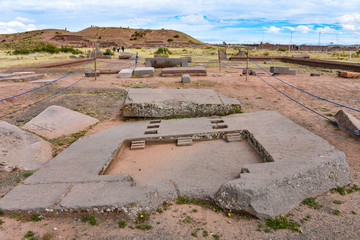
247,65
95,64
219,60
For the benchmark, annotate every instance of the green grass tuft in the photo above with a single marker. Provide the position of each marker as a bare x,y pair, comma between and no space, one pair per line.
312,203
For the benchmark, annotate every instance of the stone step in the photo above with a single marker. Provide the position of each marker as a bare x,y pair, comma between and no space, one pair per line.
184,141
233,137
137,144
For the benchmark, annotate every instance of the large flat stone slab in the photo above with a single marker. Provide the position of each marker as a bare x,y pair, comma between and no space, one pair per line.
21,149
178,71
33,197
24,78
159,103
56,121
296,164
101,195
166,62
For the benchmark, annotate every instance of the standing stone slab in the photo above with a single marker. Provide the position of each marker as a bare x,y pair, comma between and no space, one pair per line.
126,73
21,149
37,197
144,72
348,120
56,121
177,102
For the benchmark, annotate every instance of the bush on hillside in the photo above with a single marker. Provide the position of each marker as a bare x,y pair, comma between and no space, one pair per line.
163,51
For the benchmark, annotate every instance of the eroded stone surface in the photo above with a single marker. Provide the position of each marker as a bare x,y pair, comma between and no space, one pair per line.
297,164
56,121
157,103
348,120
21,149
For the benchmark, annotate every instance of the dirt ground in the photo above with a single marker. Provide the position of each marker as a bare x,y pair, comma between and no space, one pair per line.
103,98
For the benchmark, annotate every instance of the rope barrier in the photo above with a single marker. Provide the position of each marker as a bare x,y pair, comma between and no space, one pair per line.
232,66
43,98
121,63
356,132
34,89
321,98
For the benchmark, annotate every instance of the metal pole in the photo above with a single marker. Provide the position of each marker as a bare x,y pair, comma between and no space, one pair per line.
136,58
247,65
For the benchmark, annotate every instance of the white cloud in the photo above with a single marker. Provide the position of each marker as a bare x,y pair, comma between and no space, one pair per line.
21,19
326,30
350,22
15,26
304,29
194,19
272,29
289,28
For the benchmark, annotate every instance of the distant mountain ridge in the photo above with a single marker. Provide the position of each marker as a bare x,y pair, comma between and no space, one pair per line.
106,36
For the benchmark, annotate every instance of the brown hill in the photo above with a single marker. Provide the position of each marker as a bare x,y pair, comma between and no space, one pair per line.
106,36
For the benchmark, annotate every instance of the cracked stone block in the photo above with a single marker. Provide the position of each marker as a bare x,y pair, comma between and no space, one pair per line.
37,197
144,72
113,196
126,73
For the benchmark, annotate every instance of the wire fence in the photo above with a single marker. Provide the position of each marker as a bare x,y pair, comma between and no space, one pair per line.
34,89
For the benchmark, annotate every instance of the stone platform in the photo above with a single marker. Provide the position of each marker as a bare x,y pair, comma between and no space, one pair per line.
178,71
157,103
296,164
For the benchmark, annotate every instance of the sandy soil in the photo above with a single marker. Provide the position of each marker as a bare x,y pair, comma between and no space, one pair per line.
173,223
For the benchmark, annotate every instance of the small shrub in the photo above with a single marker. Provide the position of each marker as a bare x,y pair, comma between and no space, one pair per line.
176,36
28,173
266,53
205,233
170,40
90,219
122,224
29,234
282,49
282,222
48,236
1,222
337,202
163,51
336,212
138,48
35,218
144,227
108,52
312,203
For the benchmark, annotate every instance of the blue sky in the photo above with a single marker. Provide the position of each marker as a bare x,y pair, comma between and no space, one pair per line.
297,22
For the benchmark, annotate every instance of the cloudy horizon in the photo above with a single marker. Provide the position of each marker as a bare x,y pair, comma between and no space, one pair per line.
285,22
